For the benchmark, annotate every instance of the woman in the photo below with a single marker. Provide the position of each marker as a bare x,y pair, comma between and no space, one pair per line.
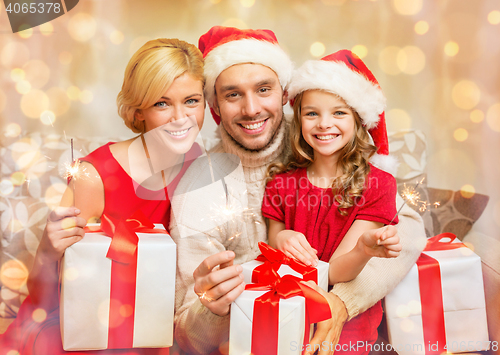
161,98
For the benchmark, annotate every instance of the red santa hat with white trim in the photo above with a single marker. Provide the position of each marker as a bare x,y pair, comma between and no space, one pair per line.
223,47
344,74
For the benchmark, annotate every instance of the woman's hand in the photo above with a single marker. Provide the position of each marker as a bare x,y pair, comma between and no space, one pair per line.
295,245
382,242
327,333
64,228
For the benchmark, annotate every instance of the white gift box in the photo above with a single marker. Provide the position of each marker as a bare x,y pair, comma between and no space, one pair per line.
322,268
85,292
462,300
291,324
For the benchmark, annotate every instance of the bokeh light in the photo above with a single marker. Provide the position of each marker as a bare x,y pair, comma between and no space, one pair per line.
34,103
53,194
388,60
82,27
317,49
23,87
37,73
466,94
477,116
71,274
46,29
65,57
407,7
39,315
235,22
59,102
460,134
421,27
18,178
12,130
126,310
14,55
6,187
247,3
402,311
116,37
13,274
467,191
411,60
26,32
17,74
12,352
397,120
451,48
48,118
493,117
494,17
407,325
73,93
415,307
86,96
360,50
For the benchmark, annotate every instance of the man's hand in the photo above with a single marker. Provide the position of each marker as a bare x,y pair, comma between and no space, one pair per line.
218,282
329,330
382,242
295,245
64,228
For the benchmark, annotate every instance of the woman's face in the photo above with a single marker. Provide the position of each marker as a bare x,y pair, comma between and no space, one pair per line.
176,119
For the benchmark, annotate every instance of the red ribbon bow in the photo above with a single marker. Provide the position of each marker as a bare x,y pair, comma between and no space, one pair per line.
123,254
273,259
431,292
266,309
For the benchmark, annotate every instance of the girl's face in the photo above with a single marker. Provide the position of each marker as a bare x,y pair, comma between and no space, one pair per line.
176,119
328,124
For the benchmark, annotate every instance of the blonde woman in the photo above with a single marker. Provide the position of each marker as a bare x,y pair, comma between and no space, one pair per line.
162,99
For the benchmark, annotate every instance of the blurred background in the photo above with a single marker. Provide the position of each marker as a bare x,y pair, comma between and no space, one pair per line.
437,62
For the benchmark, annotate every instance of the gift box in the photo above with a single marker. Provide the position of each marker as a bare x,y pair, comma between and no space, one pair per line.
272,258
439,306
119,292
275,319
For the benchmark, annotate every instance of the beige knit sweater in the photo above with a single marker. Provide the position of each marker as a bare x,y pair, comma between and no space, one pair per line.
199,235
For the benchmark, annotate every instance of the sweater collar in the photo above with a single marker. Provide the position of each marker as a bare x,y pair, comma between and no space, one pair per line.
254,159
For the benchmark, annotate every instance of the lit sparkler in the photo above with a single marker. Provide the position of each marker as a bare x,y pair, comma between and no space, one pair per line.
411,196
74,170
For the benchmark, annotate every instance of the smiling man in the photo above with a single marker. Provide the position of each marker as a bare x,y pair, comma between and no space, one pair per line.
247,74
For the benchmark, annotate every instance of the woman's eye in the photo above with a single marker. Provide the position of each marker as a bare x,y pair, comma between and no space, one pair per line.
160,104
192,101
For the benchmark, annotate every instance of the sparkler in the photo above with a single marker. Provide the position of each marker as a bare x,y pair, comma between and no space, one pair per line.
74,170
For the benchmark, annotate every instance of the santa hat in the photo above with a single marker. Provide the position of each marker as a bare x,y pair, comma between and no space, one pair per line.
223,47
344,74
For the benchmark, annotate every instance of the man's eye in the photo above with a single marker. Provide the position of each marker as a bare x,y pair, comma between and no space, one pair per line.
160,104
263,89
231,95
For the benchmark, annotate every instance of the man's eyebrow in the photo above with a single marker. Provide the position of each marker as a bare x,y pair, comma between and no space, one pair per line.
267,81
228,87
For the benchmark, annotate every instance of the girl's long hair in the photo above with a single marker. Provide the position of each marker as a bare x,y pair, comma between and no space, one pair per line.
353,160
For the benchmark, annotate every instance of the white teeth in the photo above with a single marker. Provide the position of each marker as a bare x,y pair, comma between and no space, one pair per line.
178,133
325,138
254,126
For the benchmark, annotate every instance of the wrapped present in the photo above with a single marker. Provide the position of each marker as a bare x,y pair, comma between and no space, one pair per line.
274,316
284,265
119,292
439,306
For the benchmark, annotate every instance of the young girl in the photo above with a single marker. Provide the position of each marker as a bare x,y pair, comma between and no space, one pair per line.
162,99
325,200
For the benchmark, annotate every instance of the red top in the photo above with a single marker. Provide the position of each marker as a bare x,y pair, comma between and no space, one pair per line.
123,196
290,198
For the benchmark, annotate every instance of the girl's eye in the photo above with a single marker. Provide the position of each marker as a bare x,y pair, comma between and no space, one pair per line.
311,114
160,104
339,113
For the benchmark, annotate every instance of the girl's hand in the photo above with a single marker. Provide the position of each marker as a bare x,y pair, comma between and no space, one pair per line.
295,245
63,229
382,242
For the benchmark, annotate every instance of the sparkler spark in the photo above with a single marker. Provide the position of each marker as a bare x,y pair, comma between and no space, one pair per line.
410,195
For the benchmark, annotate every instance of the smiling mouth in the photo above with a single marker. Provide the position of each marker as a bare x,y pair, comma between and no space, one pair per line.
178,133
326,137
253,126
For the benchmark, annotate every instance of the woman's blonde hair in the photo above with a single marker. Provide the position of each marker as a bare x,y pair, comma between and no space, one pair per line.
353,160
151,71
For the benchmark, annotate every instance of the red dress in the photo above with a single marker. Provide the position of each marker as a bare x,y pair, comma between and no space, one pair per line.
122,198
290,198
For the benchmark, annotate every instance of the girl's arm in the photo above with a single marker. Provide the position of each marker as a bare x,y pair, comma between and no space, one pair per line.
64,228
293,244
364,240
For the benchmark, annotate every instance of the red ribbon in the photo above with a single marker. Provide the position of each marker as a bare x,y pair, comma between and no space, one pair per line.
273,259
266,309
431,292
123,254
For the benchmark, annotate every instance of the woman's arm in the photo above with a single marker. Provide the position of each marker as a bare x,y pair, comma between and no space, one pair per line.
64,228
359,246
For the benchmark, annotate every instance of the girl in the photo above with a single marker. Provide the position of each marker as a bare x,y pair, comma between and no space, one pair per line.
161,98
321,203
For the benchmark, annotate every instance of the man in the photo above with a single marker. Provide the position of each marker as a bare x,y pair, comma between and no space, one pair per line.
246,78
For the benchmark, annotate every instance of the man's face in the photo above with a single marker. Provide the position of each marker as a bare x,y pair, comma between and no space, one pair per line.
249,101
